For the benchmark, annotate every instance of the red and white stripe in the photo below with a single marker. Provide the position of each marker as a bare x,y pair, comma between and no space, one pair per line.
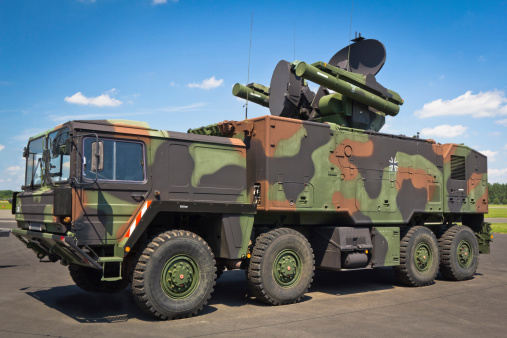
138,218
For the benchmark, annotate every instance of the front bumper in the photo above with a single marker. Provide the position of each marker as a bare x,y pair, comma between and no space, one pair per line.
45,244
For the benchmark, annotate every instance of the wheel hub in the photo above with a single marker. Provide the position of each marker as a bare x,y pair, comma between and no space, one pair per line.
423,257
179,276
287,268
464,254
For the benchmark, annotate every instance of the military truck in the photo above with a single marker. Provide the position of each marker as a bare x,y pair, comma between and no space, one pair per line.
313,185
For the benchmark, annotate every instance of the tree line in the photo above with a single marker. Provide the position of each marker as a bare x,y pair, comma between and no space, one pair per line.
497,193
6,194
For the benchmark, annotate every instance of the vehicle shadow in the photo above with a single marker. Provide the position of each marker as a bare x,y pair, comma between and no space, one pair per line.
231,290
353,281
86,307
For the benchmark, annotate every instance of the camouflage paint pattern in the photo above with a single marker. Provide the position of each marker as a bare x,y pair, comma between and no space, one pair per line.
362,178
179,167
309,173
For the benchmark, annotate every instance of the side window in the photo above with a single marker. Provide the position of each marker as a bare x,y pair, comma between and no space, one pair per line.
123,161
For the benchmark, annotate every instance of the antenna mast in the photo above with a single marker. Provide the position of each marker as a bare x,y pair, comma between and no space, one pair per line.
248,76
350,35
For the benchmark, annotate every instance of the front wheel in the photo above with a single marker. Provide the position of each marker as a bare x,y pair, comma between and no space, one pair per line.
419,257
281,267
174,276
459,253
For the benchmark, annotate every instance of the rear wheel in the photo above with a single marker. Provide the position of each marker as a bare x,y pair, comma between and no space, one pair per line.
89,279
174,275
459,253
419,257
281,267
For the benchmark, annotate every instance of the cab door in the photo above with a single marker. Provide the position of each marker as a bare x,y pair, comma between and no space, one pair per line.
116,186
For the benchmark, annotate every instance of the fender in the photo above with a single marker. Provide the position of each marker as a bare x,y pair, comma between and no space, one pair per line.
237,223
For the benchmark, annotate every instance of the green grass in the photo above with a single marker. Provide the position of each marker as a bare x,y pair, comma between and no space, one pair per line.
4,205
499,228
497,211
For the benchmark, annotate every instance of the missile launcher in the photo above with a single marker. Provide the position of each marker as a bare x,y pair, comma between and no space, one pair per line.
349,94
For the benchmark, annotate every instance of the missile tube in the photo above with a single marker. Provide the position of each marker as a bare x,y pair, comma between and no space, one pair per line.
313,74
241,91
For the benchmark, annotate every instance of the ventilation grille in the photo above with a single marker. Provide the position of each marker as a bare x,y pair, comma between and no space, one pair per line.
458,167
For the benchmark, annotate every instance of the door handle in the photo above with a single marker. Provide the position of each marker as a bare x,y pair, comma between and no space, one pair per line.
137,195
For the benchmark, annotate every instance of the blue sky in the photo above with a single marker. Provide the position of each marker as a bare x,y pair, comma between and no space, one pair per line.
173,64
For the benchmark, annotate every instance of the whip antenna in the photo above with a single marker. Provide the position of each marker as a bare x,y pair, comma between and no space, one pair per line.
248,75
294,40
350,35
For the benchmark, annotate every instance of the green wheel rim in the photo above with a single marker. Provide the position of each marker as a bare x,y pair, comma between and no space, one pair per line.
423,257
180,276
464,254
287,268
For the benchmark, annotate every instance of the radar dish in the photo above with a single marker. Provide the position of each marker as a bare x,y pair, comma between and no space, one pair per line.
366,57
284,91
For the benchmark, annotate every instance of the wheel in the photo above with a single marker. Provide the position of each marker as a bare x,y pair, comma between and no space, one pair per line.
88,279
419,257
281,267
174,275
459,253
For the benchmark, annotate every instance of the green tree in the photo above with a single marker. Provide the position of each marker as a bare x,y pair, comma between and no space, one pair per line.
496,200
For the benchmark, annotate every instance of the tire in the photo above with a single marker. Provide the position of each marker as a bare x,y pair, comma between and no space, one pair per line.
88,279
276,251
419,257
168,259
459,253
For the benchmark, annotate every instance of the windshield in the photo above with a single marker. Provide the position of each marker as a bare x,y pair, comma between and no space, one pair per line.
57,158
34,162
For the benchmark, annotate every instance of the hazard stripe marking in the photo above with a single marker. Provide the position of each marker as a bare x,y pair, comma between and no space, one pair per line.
137,219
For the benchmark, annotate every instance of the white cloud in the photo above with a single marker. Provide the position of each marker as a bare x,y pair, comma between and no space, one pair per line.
481,59
26,134
505,147
13,170
444,131
103,100
490,154
161,2
210,83
2,147
502,122
487,104
190,107
497,175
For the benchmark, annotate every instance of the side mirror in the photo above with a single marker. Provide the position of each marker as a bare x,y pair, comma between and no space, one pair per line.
65,149
97,156
25,152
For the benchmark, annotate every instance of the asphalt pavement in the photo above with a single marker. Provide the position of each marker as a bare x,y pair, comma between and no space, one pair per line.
40,299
